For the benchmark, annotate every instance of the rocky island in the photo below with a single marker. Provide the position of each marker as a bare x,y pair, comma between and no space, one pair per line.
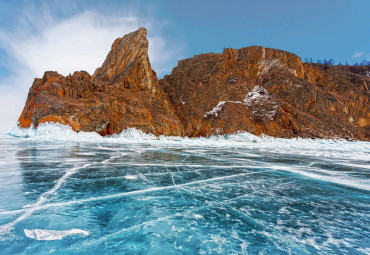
254,89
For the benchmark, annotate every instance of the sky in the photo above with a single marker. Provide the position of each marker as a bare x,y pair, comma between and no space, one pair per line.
67,36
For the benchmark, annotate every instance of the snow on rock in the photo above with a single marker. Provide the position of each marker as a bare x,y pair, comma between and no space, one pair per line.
219,107
215,110
257,94
258,99
262,103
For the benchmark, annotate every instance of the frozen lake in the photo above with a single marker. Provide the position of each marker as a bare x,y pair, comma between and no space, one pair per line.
63,193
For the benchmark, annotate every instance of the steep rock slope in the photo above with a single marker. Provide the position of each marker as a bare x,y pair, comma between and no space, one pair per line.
124,92
262,90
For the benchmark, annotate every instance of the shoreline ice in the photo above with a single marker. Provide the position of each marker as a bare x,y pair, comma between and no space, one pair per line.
59,132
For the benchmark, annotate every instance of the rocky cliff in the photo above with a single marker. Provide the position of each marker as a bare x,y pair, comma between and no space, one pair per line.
254,89
268,91
124,92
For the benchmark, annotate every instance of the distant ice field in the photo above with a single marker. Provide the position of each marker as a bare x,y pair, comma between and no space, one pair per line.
63,192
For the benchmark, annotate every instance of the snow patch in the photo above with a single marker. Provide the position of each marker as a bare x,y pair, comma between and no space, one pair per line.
257,94
219,107
215,110
42,234
260,100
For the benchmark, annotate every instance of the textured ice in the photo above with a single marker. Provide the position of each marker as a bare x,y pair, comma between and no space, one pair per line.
56,131
301,146
139,194
130,177
42,234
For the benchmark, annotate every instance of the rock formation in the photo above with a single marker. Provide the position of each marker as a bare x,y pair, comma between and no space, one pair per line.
254,89
268,91
124,92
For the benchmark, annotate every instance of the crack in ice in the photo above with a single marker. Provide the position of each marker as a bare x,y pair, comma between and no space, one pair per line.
5,229
144,191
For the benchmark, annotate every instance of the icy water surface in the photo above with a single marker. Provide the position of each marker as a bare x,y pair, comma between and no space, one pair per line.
135,194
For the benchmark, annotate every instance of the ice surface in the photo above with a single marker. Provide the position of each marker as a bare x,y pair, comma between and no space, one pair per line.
301,146
41,200
140,194
42,234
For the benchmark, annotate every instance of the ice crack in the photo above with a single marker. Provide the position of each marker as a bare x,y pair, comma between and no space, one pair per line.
5,229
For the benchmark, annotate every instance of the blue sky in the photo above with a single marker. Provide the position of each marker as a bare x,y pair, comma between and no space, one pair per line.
36,36
318,29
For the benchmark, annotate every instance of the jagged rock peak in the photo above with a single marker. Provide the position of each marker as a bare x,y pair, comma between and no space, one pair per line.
125,54
124,92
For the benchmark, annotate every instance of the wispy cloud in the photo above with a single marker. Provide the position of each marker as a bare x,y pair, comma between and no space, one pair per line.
44,40
358,54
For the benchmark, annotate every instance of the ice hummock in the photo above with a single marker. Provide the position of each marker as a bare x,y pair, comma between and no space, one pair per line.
339,148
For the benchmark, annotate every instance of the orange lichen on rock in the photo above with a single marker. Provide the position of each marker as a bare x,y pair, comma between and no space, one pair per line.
269,91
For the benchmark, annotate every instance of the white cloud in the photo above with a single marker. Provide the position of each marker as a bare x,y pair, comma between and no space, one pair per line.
358,54
77,42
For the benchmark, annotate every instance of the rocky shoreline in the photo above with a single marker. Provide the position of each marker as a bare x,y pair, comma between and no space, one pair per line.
254,89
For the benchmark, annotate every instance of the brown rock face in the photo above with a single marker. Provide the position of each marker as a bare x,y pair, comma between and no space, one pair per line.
268,91
124,92
254,89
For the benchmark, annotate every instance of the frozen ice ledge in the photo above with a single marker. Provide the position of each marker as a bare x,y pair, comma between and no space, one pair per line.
253,89
338,148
